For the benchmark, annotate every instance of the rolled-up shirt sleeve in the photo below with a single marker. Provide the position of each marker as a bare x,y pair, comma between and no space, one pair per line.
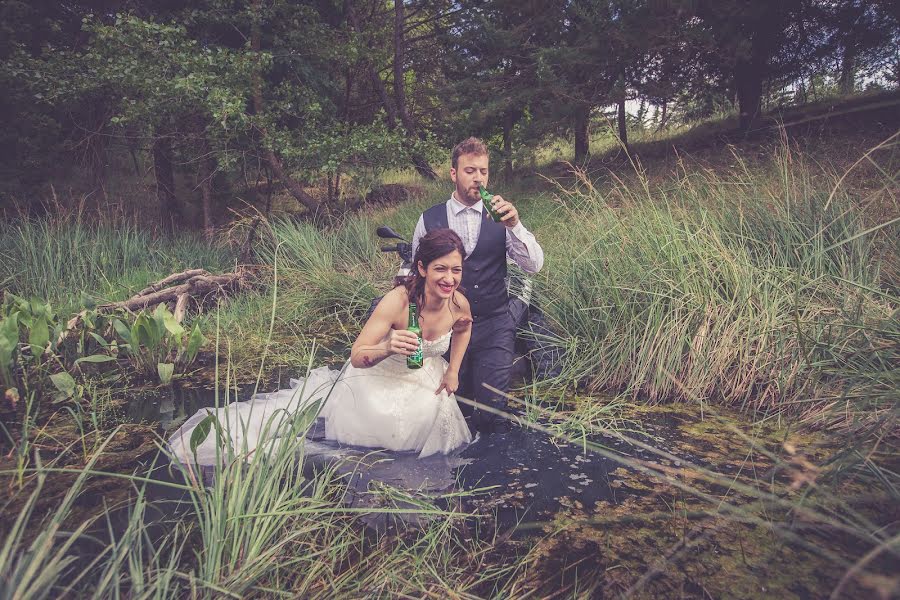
523,249
417,235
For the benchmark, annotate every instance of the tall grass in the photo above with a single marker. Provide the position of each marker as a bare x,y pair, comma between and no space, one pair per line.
737,287
55,256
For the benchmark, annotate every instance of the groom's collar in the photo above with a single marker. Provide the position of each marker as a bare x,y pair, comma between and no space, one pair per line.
457,207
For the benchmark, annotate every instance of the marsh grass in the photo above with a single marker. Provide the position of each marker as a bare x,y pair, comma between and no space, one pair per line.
744,288
56,256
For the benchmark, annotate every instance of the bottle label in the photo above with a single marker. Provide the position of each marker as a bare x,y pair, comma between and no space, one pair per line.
417,355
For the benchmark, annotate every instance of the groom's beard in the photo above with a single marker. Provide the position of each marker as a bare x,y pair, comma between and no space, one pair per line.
472,196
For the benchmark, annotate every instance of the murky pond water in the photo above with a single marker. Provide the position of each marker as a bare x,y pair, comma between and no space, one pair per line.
519,477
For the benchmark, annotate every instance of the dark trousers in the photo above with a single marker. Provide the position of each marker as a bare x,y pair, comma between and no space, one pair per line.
488,360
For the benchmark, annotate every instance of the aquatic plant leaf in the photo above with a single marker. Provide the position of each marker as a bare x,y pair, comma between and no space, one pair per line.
169,322
9,339
99,339
123,330
165,370
63,382
201,432
96,358
195,340
39,335
144,332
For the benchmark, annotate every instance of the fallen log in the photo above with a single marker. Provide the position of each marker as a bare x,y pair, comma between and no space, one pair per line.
198,285
195,287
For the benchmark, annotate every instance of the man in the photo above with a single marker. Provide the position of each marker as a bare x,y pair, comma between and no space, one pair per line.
489,357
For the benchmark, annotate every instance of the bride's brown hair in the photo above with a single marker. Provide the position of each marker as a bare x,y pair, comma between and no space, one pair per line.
433,245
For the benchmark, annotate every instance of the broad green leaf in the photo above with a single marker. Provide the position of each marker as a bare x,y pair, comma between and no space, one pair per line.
39,308
123,330
195,341
144,332
63,382
96,358
9,340
100,340
201,432
39,335
173,326
165,370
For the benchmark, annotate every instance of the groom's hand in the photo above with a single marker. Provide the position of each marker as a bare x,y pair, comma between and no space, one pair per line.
510,216
450,382
403,342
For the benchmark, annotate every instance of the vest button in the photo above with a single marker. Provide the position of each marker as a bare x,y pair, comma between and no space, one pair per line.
476,286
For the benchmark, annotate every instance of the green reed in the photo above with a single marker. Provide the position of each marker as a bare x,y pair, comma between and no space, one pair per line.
743,288
54,257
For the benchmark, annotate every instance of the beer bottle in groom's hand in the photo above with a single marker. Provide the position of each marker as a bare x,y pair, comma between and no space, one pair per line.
486,200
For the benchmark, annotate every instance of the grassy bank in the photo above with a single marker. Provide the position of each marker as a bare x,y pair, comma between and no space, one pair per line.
756,289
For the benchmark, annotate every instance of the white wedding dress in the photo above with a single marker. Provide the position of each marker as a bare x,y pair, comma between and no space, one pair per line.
385,406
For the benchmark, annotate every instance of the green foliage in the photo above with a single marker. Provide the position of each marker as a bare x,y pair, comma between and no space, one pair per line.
156,343
756,295
29,330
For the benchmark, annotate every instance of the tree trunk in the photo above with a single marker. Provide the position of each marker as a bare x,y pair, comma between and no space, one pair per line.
665,116
748,82
377,83
848,72
386,100
293,187
582,129
508,125
399,83
801,92
623,123
169,212
418,161
206,170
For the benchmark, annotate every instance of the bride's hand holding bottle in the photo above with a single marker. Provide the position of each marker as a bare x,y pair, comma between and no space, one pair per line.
402,341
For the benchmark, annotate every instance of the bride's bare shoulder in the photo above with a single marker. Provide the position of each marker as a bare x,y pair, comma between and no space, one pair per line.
459,303
395,301
461,311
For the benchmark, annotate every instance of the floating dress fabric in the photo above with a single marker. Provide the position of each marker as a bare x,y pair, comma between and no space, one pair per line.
385,406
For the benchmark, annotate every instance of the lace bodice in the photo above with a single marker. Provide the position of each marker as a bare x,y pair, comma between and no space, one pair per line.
436,347
430,350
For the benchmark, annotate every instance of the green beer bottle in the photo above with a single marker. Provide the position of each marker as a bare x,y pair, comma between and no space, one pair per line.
414,360
486,200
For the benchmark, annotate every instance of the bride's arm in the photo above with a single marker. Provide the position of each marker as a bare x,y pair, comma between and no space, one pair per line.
371,347
462,331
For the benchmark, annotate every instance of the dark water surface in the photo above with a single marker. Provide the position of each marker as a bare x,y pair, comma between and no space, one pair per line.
517,477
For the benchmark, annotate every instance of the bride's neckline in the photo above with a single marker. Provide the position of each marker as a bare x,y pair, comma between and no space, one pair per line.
438,338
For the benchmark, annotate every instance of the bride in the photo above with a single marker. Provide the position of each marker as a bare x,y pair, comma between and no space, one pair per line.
375,401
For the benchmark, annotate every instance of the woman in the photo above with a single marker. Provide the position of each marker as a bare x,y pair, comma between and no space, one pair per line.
376,400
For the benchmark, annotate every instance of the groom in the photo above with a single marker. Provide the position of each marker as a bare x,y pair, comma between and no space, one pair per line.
489,245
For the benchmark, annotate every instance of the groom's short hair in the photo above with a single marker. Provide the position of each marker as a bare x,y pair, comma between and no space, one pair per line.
471,145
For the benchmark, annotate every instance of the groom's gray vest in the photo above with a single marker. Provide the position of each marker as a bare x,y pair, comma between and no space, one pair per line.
484,272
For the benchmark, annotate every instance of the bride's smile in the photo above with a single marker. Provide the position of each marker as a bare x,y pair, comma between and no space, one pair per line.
443,275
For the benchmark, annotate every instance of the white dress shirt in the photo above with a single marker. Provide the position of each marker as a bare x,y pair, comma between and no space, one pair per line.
522,247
